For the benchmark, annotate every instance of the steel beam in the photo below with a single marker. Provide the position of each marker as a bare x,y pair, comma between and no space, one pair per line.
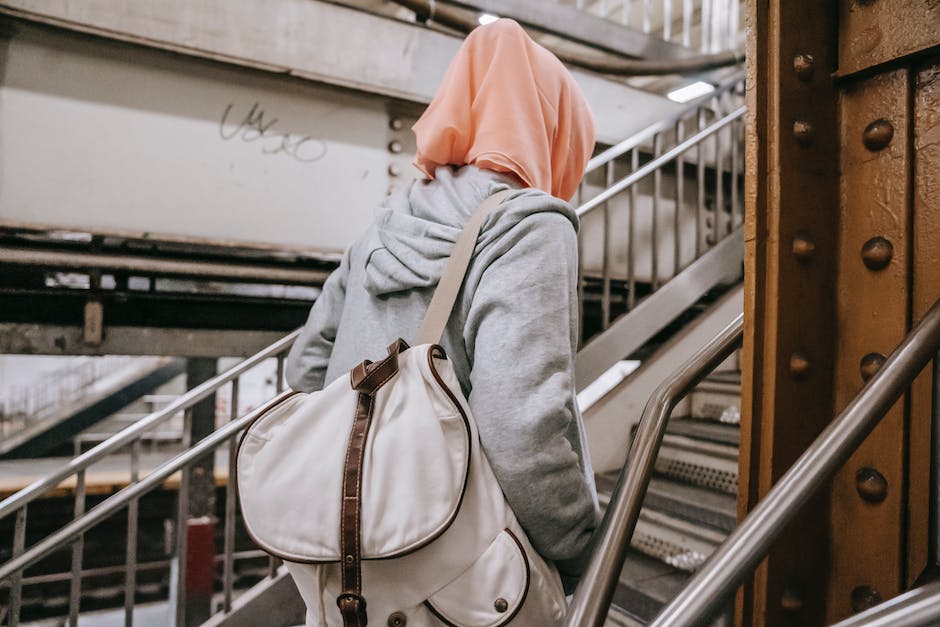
60,260
582,27
43,339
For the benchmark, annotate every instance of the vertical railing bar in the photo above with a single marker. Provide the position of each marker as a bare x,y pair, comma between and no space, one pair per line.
625,12
182,525
647,17
130,555
631,236
700,191
718,19
719,212
734,24
581,290
228,566
706,22
657,192
78,547
687,10
16,581
605,262
667,20
735,165
273,562
680,189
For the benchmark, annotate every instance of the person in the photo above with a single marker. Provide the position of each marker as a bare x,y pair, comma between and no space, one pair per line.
507,115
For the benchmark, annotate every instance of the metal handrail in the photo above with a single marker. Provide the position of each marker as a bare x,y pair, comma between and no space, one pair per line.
125,496
914,608
128,435
657,163
749,543
593,595
662,125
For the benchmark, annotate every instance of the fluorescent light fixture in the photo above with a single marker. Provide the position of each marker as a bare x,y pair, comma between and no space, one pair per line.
690,92
488,18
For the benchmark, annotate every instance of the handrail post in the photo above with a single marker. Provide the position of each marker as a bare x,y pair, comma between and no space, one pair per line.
593,595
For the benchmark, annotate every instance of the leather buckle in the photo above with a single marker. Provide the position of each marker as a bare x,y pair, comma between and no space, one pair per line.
353,608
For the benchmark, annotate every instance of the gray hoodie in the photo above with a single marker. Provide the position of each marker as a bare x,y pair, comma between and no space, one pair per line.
511,337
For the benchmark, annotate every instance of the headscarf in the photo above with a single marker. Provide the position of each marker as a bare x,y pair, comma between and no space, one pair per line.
507,104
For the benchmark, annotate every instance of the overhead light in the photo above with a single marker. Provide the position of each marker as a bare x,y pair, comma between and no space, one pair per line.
488,18
690,92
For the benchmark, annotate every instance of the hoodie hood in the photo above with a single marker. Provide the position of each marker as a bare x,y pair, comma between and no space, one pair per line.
417,226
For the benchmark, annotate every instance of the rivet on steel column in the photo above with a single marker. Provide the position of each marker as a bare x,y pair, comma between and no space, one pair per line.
791,601
799,365
864,597
803,246
804,132
871,485
804,65
870,364
878,135
877,253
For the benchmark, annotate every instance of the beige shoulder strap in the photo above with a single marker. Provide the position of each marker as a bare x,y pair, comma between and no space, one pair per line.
442,303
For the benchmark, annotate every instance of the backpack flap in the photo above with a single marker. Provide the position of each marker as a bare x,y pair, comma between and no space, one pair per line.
491,591
290,467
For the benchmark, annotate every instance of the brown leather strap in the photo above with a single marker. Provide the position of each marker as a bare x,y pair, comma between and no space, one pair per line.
366,378
350,602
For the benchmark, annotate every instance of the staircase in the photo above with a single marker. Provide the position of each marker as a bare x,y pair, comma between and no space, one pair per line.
662,216
691,504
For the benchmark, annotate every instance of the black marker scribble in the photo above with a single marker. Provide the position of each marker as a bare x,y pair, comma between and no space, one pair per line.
256,126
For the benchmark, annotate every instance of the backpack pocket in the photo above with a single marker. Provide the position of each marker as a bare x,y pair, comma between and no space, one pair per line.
489,593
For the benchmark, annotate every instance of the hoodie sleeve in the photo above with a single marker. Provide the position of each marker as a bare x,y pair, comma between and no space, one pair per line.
305,368
521,336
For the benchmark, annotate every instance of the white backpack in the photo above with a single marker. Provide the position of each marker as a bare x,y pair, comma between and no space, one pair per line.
376,493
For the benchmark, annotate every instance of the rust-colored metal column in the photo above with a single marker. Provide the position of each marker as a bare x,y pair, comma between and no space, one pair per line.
790,262
926,290
867,509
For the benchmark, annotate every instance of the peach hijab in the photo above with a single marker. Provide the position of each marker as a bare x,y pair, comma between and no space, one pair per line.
507,104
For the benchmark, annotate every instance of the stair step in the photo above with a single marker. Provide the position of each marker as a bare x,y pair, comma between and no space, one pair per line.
717,399
715,510
699,462
679,543
716,432
645,586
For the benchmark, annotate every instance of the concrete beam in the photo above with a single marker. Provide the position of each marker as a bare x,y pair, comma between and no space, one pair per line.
315,41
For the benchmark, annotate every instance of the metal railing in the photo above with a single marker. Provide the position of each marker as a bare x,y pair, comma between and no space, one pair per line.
127,499
914,608
62,387
703,206
749,543
593,595
709,25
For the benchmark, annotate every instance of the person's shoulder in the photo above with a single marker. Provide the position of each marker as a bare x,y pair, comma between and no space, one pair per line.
535,210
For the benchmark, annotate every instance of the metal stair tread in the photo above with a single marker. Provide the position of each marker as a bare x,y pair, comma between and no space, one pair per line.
645,585
704,429
722,378
716,510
